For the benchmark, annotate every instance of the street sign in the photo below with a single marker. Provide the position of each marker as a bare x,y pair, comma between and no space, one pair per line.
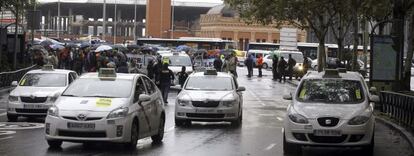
288,39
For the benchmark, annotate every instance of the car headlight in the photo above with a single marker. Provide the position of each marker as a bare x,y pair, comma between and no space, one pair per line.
13,98
300,67
229,103
118,113
361,118
183,102
53,111
53,98
297,118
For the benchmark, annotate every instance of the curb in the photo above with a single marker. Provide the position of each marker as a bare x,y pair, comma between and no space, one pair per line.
407,135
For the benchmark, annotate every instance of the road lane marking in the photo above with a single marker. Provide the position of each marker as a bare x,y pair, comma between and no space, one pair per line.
20,125
270,146
3,114
279,118
257,98
9,137
169,129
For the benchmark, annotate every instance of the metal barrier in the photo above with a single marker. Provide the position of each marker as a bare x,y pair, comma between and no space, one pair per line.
6,78
399,107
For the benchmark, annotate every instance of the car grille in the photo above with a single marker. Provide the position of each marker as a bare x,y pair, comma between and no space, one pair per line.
87,119
215,116
205,104
328,121
327,139
40,111
33,100
83,134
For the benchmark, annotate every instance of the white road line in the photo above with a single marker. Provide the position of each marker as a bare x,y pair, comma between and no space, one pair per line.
9,137
3,114
257,98
270,146
279,118
169,129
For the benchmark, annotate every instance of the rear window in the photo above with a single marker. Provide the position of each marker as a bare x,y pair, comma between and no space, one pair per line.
179,61
332,91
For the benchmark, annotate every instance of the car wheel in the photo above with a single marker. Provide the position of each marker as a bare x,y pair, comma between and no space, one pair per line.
12,118
265,66
368,150
54,143
158,138
238,122
290,148
132,144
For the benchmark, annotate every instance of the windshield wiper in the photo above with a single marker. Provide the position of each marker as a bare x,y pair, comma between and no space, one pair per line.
100,96
72,95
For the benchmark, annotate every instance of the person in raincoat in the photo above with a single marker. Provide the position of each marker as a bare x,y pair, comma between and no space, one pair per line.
165,78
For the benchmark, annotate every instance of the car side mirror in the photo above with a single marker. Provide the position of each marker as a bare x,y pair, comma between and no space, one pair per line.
374,98
14,84
240,89
144,98
287,97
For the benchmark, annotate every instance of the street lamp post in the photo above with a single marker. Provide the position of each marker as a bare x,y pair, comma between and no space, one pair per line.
104,20
135,21
172,20
115,20
58,21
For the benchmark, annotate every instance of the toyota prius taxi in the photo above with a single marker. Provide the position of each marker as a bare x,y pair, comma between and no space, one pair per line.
108,107
210,96
37,90
330,108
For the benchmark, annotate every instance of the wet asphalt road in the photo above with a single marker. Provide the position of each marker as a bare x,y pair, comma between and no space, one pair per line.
259,135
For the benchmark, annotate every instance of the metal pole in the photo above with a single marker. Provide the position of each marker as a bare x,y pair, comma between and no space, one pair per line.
115,20
135,21
58,21
172,21
33,17
104,20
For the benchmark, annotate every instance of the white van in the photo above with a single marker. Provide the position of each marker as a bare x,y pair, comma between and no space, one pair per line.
297,56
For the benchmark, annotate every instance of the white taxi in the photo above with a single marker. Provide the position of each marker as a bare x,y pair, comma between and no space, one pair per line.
108,107
36,91
330,108
176,61
209,96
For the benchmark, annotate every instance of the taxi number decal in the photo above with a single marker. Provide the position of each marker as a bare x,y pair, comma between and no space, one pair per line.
302,93
103,102
358,94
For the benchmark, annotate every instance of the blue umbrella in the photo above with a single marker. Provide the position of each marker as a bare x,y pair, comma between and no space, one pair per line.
56,47
183,48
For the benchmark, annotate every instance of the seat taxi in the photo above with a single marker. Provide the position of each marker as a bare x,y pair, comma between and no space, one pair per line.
330,108
36,91
210,96
107,107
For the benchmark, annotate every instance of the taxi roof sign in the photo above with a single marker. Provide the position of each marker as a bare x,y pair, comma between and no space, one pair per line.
107,73
210,72
48,67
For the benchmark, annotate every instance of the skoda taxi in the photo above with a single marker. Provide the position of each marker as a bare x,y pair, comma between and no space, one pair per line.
330,108
108,107
36,91
209,96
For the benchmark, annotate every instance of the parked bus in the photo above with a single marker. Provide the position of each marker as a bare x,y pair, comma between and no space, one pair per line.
193,42
308,49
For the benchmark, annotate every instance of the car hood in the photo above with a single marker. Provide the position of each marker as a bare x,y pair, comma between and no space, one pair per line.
206,95
91,104
316,110
37,91
177,69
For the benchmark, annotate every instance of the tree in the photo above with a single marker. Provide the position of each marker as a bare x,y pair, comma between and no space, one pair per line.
341,24
315,15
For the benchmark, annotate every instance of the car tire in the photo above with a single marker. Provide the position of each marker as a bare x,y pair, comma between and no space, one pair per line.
12,118
160,135
265,66
54,143
132,144
238,122
289,148
368,150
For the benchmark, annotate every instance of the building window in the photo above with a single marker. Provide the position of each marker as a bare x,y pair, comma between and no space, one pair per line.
274,41
229,39
258,40
263,40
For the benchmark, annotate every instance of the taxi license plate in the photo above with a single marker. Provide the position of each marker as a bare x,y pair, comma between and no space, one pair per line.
72,125
327,132
204,111
34,106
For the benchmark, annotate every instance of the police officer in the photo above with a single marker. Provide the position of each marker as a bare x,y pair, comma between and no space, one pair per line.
165,78
275,60
291,63
281,67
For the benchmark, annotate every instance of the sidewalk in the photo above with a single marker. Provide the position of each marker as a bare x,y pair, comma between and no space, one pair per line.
409,137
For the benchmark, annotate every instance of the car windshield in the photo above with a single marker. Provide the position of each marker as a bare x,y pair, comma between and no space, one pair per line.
296,56
333,91
43,80
209,83
180,60
99,88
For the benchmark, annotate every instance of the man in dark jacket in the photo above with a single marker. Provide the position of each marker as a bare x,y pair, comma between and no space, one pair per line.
165,78
182,76
291,63
275,60
218,64
150,70
249,64
281,67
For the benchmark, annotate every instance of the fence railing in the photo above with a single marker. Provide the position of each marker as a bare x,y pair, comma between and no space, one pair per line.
399,107
6,78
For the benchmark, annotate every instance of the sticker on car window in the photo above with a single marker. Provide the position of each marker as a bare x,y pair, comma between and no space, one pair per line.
358,94
302,93
103,102
22,82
